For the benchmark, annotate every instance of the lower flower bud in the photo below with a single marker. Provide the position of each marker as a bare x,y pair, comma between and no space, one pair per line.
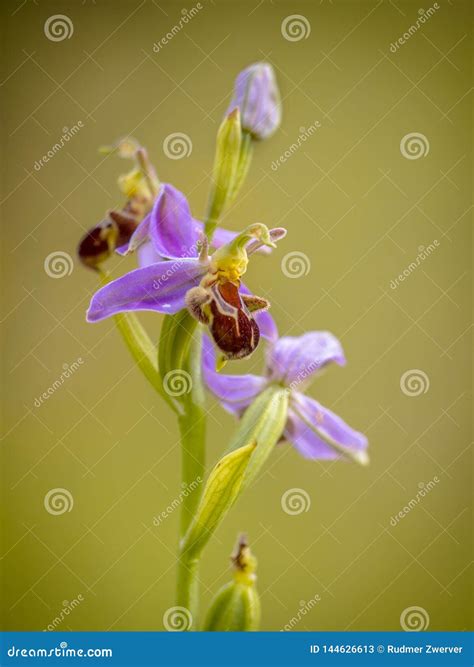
236,606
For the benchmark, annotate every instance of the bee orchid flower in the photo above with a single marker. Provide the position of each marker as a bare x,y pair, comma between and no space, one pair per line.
292,362
208,285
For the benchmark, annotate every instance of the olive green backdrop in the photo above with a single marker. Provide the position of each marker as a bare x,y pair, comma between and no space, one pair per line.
358,209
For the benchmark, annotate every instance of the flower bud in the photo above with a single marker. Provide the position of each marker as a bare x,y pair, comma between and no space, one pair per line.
258,98
236,607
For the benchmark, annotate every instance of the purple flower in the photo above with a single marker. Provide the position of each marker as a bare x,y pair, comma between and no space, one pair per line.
209,286
314,430
257,96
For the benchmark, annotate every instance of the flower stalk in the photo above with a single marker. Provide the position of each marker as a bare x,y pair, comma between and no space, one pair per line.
179,358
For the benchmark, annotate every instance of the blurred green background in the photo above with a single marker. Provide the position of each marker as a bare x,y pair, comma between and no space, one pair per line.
353,204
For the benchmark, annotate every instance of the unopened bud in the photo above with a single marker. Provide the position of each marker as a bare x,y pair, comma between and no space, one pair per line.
236,607
258,98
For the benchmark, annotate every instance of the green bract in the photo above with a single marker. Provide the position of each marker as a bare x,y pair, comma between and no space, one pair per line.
220,493
263,423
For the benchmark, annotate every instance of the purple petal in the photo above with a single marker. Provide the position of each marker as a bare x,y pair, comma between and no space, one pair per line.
236,392
160,287
146,255
266,324
139,236
293,360
173,231
327,423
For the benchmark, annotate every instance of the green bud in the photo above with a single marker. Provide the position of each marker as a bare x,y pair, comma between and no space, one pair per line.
236,606
226,163
245,159
220,493
263,423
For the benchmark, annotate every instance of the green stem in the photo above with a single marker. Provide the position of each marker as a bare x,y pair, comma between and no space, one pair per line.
179,355
192,425
187,593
